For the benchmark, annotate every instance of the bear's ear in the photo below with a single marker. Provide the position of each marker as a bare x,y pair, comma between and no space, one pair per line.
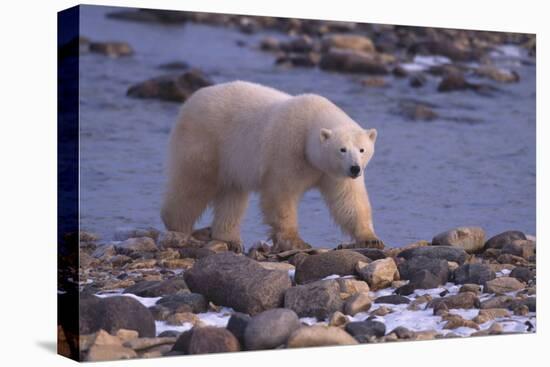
372,134
325,134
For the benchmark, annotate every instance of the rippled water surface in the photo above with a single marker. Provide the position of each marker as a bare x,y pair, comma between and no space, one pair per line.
474,165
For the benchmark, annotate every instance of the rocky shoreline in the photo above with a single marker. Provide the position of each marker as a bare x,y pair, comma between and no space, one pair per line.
151,293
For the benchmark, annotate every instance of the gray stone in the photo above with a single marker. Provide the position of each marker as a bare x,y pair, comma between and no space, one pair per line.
448,253
473,274
270,329
157,288
471,239
393,299
438,267
318,299
236,281
364,330
503,238
237,325
139,245
522,274
316,267
185,302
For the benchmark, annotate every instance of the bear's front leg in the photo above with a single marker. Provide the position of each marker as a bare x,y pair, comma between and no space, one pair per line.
281,213
349,206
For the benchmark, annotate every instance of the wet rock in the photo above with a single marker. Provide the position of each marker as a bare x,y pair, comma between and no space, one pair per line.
438,267
158,288
114,313
449,253
393,299
353,42
354,62
521,248
236,281
503,285
184,302
471,239
417,111
301,44
359,302
417,80
270,44
237,325
497,74
473,273
362,331
136,246
380,273
522,274
270,329
318,299
111,49
174,65
460,300
212,340
124,233
319,336
339,262
498,241
176,88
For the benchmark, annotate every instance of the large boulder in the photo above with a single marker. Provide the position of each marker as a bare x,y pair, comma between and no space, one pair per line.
471,239
114,313
270,329
319,336
449,253
316,267
236,281
504,238
474,274
157,288
318,299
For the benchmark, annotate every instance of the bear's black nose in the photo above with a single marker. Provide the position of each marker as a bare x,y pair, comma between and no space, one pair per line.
355,170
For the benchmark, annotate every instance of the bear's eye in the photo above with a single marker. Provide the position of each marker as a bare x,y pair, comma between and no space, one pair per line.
362,150
343,150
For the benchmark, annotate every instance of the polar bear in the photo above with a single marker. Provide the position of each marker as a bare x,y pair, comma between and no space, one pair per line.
235,138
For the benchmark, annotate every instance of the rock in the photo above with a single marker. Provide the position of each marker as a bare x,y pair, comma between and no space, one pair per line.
136,246
381,311
109,353
270,329
184,302
177,263
114,313
498,302
522,274
301,44
125,335
393,299
364,330
380,273
374,82
217,246
471,239
474,288
104,252
125,233
151,15
415,111
352,286
176,88
521,310
438,267
503,238
521,248
359,302
270,44
353,42
503,285
141,264
180,318
319,336
456,321
337,319
417,80
182,343
473,274
212,340
171,239
370,253
354,62
158,288
492,313
423,279
111,49
277,266
457,82
237,325
318,299
512,260
454,50
236,281
339,262
497,74
449,253
460,300
146,343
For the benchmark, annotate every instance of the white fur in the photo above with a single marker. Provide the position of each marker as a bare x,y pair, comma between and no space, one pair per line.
234,138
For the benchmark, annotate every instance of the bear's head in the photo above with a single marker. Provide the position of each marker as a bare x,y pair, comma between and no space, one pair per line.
344,152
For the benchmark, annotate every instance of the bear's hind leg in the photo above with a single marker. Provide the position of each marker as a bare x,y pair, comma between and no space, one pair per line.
229,208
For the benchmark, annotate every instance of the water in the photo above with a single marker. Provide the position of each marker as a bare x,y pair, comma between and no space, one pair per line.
475,165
